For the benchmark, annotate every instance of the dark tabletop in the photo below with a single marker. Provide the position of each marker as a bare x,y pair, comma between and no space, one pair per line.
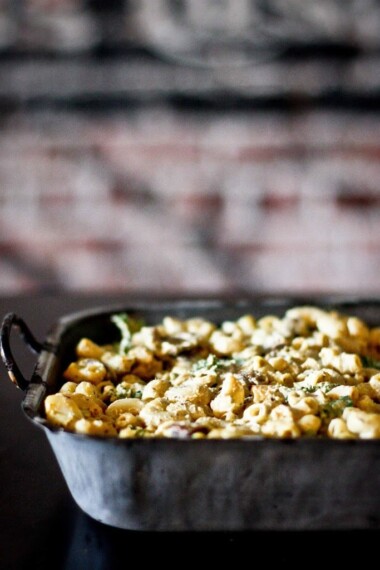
41,526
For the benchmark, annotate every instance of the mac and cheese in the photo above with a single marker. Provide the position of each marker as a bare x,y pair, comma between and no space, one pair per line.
310,373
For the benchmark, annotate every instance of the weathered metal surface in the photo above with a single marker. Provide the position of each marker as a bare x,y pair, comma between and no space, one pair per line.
169,484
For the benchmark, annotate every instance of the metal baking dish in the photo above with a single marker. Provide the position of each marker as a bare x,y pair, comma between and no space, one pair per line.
168,484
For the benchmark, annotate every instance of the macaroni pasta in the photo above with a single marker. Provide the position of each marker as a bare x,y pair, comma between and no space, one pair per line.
311,373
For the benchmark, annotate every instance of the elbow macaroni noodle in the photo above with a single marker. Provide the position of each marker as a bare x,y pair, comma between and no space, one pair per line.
311,373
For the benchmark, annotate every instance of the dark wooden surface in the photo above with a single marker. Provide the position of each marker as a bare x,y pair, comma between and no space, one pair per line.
41,526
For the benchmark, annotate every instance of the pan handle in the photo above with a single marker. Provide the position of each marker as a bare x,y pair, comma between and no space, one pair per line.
12,320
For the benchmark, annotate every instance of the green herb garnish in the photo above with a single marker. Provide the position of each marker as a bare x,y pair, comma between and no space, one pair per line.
324,387
127,326
122,391
369,362
334,409
212,362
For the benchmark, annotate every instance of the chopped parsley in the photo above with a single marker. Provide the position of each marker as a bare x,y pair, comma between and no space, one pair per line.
127,326
212,362
334,409
322,386
369,362
123,391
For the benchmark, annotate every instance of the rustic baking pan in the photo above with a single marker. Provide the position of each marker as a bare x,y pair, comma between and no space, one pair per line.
168,484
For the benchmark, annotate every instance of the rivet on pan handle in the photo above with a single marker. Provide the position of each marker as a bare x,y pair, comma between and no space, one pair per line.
12,320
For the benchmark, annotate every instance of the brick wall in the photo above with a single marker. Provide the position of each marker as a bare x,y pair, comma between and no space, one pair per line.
158,199
148,145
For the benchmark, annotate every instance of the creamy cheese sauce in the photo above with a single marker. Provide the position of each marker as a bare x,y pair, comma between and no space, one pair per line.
311,372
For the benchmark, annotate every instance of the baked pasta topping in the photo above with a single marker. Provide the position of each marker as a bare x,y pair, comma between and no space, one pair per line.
311,373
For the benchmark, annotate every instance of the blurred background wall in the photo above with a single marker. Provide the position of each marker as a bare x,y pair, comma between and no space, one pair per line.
190,146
